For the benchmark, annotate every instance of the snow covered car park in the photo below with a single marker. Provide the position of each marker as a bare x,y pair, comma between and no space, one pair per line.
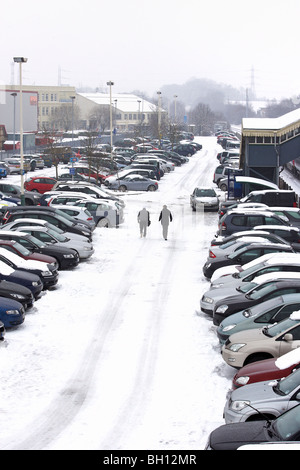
124,346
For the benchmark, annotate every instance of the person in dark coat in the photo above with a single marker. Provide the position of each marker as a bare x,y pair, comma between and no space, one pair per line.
165,218
144,221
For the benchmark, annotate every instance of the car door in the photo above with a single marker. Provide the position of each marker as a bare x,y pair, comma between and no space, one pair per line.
287,346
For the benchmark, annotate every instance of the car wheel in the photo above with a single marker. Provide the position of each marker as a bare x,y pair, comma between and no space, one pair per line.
103,223
122,188
151,188
223,187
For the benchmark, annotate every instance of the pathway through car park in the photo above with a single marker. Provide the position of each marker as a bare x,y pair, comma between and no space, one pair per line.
145,365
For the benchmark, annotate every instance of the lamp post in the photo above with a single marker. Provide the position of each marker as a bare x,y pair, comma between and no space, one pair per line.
110,84
72,98
159,117
14,119
20,61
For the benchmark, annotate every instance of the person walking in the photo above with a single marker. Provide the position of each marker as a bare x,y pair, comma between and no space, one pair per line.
165,218
144,221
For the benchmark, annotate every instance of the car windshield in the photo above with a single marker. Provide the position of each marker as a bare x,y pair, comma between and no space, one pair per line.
288,384
249,271
36,241
205,193
56,235
287,425
262,290
279,328
22,249
247,287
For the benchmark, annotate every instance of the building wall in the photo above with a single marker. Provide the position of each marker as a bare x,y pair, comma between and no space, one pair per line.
30,110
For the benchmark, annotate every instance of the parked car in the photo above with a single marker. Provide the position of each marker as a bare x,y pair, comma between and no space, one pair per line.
47,273
57,239
40,184
263,314
273,198
78,213
2,332
86,188
225,207
275,263
244,255
212,296
16,292
289,284
254,345
284,429
231,247
219,241
76,177
267,399
290,214
12,312
236,220
18,224
289,234
129,171
13,190
134,183
204,199
105,213
185,149
66,258
26,279
14,247
4,170
14,165
268,369
54,218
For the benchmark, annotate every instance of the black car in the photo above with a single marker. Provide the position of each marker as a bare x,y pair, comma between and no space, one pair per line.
13,190
2,331
14,291
284,429
185,149
22,278
50,216
66,257
242,301
244,255
49,277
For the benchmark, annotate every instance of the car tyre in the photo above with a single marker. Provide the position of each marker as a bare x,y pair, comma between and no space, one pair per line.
103,223
122,188
151,188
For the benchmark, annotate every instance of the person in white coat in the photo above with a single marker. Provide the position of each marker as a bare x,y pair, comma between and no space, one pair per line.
165,218
144,221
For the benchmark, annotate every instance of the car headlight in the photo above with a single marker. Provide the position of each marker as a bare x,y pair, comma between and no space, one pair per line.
207,300
18,296
239,405
222,309
12,312
217,286
236,347
208,265
35,283
229,327
69,256
243,380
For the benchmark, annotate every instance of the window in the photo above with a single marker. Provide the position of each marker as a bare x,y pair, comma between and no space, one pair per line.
254,220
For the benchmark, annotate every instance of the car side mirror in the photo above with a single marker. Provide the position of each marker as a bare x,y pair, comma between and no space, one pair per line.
288,337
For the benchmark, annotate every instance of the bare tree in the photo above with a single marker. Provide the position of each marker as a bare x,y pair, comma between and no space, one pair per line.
99,118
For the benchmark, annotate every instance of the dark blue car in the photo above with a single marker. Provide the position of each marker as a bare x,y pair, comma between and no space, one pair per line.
12,313
32,281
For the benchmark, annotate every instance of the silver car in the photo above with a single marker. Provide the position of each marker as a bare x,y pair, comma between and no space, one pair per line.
263,400
134,183
51,237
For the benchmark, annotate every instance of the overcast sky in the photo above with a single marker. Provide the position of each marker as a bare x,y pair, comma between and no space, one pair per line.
145,44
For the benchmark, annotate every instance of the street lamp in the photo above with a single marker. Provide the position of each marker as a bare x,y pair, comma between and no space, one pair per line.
20,61
14,119
72,98
159,116
110,84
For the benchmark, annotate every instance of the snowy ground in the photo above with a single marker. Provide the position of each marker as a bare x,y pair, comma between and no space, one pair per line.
118,356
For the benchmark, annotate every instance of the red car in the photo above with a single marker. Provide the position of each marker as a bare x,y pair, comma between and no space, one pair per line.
269,369
40,184
24,253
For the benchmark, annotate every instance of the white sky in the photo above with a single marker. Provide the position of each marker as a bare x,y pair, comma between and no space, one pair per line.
144,45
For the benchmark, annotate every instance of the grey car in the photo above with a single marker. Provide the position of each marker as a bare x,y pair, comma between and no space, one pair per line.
134,183
106,213
263,400
204,198
264,314
237,221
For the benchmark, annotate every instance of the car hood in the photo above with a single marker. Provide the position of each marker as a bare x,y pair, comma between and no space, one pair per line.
260,392
248,336
225,271
223,293
233,436
206,199
42,258
13,287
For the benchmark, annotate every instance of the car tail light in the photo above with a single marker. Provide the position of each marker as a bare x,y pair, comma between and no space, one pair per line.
211,254
223,226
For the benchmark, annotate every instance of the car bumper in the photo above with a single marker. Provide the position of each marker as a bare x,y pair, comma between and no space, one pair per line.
207,308
85,254
233,359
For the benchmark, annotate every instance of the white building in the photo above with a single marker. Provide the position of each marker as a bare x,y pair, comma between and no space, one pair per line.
128,110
